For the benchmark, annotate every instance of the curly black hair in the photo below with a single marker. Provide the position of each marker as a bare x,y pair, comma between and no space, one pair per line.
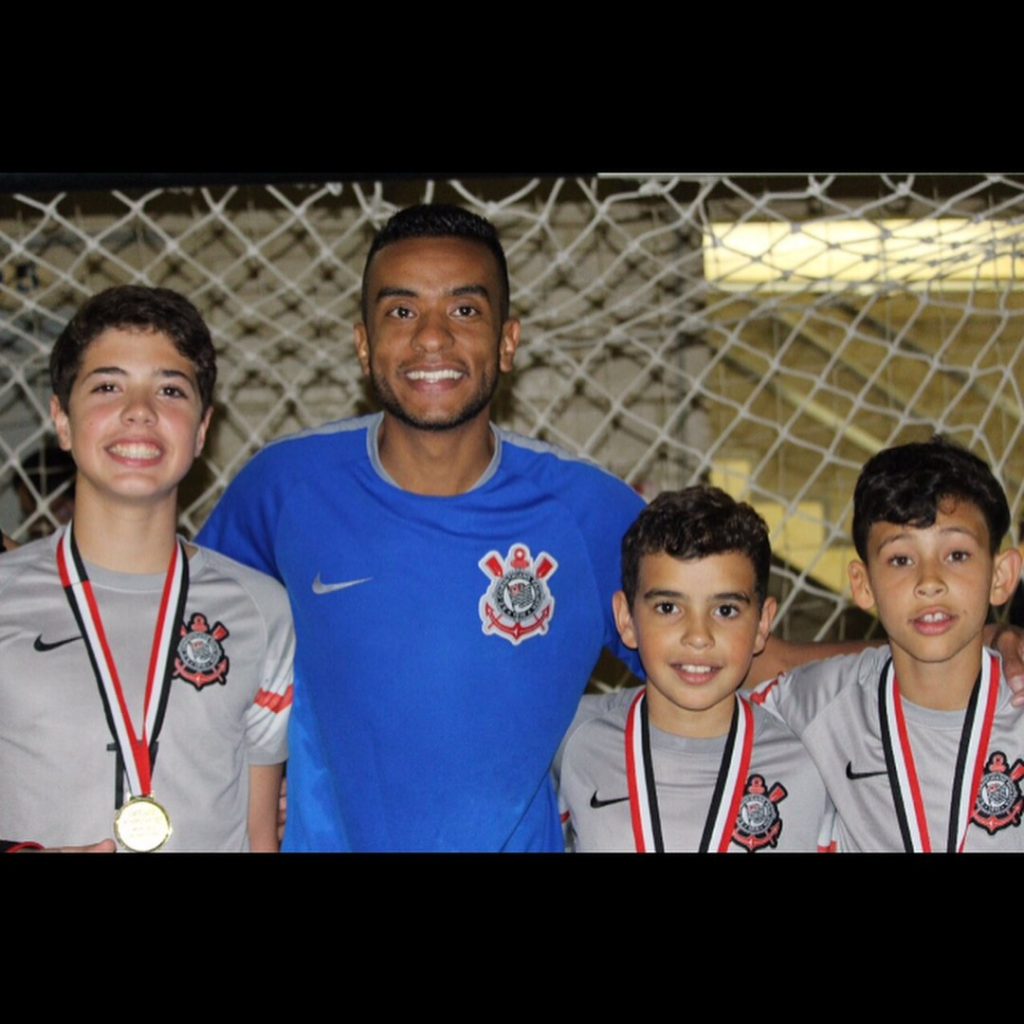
696,522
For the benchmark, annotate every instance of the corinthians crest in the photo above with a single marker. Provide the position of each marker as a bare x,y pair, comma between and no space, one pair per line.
758,822
200,657
518,603
1000,801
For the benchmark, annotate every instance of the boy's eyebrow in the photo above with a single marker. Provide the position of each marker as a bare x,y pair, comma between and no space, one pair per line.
731,595
106,369
911,530
119,371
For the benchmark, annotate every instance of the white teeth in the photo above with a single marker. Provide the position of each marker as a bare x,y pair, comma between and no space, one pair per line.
135,451
697,669
934,617
433,376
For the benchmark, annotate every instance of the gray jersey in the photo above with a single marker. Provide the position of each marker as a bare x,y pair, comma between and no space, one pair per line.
227,707
783,788
833,707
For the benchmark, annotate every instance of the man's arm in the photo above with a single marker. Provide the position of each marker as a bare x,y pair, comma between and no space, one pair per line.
781,656
1009,642
264,790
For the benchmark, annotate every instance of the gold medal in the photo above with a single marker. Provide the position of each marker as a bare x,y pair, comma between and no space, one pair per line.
142,825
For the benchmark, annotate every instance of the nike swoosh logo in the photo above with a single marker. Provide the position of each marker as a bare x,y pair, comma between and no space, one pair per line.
41,645
596,802
319,587
853,776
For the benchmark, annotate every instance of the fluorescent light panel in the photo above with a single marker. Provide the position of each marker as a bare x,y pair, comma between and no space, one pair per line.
947,252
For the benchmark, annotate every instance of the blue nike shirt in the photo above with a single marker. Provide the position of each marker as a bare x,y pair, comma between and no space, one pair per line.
443,642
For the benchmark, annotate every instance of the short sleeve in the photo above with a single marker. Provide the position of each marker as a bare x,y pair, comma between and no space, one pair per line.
266,721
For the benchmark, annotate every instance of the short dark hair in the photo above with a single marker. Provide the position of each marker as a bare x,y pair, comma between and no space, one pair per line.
439,220
907,485
135,307
696,522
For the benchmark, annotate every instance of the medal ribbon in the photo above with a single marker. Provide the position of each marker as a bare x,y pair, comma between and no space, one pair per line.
79,591
970,761
732,775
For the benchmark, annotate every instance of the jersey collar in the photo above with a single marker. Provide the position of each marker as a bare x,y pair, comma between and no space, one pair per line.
373,451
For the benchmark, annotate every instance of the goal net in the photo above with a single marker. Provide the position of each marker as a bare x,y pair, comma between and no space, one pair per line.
767,334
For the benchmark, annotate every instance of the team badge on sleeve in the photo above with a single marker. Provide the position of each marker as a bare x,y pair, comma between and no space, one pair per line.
200,657
758,822
517,603
1000,801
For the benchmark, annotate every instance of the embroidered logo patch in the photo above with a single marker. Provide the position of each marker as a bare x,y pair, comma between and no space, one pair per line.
518,603
758,822
1000,801
200,657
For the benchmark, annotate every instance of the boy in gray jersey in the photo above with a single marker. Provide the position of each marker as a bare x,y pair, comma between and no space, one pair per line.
145,682
685,763
918,742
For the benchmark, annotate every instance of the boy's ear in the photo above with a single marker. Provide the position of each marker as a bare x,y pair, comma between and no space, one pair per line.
624,619
764,627
1006,576
863,596
204,426
60,423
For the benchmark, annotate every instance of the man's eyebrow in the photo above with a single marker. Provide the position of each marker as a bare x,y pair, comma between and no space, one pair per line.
394,292
471,289
733,595
390,292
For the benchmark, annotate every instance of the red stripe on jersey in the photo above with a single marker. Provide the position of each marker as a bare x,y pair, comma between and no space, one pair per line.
760,696
908,761
634,789
741,778
275,702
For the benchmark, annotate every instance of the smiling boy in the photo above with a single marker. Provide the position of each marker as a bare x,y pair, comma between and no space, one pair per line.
685,763
145,682
918,742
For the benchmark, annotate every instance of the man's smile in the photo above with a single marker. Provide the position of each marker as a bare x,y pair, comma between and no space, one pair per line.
434,376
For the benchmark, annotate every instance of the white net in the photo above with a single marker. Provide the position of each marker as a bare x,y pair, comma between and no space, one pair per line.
768,334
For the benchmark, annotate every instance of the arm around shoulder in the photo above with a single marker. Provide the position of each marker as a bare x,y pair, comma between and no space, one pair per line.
781,656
